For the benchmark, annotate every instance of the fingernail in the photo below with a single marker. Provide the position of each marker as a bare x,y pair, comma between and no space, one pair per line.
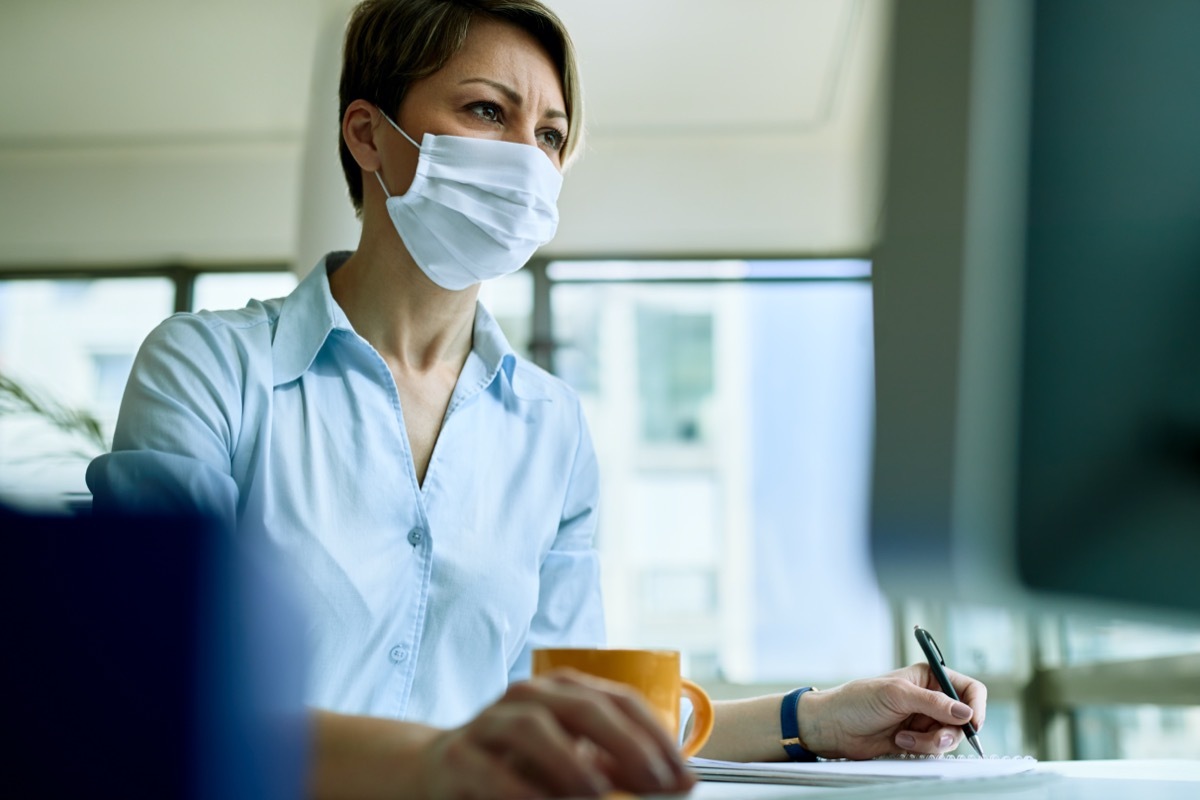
906,740
945,741
961,711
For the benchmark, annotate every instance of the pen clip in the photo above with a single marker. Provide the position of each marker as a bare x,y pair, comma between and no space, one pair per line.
936,649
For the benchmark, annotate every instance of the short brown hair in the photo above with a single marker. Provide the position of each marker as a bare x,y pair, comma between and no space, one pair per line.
392,43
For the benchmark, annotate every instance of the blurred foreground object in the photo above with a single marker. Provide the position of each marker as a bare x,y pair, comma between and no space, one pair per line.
147,657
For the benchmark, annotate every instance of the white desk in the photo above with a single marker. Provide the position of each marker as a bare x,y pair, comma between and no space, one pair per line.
1052,780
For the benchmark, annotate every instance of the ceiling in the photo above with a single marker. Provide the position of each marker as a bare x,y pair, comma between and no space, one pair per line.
704,94
678,66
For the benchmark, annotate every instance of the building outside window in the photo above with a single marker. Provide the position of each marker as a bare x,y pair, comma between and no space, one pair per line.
732,420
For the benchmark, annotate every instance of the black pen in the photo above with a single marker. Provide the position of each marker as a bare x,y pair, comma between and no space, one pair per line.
936,664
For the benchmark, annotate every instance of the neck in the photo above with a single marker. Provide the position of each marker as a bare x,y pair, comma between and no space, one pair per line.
412,322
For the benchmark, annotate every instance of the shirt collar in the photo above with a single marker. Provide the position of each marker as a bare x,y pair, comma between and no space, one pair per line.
492,348
309,314
306,318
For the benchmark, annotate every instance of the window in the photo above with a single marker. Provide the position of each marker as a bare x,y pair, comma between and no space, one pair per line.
1137,731
675,374
1098,653
220,290
1089,640
70,343
510,301
732,418
731,407
730,404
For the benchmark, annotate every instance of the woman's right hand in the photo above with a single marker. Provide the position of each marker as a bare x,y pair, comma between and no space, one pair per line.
564,734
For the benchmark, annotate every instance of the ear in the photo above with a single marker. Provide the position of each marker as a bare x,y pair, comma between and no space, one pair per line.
358,130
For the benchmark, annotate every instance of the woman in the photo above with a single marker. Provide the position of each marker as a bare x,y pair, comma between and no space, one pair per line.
436,494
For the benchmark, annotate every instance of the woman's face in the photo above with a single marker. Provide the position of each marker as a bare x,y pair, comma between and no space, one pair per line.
501,85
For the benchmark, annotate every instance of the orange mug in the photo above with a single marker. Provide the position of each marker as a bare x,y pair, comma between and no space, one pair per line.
653,673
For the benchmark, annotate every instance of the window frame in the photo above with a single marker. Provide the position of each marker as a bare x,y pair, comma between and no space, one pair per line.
182,276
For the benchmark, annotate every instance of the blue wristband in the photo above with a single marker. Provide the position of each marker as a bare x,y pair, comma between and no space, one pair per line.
789,726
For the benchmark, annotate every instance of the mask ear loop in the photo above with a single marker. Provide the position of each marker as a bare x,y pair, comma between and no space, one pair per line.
391,122
398,130
387,195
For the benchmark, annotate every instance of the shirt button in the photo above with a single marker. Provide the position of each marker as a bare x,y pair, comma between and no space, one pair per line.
398,654
415,536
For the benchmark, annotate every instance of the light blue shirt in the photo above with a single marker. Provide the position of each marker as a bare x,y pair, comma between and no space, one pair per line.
423,601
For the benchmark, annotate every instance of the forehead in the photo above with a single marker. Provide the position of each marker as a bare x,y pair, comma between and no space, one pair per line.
502,51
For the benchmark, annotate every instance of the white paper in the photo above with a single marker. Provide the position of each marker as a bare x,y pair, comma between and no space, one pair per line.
853,773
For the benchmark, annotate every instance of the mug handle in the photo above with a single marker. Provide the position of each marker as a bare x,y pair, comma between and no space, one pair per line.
702,718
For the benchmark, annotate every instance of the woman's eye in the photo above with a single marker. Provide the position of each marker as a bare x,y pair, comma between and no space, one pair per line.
552,139
487,111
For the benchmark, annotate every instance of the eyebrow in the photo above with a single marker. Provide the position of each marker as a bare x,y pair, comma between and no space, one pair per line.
512,95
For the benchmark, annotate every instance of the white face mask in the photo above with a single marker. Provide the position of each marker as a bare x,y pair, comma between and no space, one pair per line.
476,209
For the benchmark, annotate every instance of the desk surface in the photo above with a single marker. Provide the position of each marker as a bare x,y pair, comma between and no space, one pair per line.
1052,780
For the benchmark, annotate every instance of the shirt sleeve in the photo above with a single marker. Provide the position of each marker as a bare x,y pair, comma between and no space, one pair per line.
180,418
570,612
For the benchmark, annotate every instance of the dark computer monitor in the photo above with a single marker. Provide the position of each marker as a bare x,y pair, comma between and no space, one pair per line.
1037,291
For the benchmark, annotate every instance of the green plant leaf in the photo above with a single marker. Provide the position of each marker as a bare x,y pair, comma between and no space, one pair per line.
16,399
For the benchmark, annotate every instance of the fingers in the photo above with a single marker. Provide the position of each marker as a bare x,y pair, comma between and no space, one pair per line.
631,706
973,693
908,698
934,742
944,715
649,742
460,768
528,741
643,756
576,736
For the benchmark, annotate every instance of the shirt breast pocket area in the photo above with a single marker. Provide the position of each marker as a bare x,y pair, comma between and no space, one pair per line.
489,583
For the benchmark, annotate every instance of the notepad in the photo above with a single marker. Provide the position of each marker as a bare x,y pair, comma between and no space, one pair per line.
858,773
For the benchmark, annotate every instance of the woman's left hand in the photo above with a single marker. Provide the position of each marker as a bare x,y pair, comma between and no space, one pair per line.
902,711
